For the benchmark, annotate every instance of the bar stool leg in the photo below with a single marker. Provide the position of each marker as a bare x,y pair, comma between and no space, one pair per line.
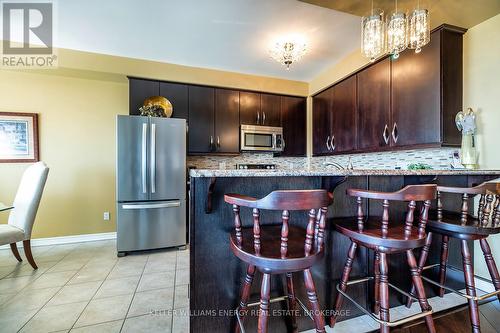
421,263
490,262
470,286
419,289
376,269
292,301
313,301
343,282
384,292
265,295
443,262
245,295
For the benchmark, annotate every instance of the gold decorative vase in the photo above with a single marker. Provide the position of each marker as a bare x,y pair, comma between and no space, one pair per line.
157,106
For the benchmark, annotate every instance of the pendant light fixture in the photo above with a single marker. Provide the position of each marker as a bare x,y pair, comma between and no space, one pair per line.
373,34
419,29
397,32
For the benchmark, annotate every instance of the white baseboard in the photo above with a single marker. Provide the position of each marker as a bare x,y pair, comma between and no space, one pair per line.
68,239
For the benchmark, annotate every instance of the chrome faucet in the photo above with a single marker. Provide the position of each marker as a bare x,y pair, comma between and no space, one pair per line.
339,166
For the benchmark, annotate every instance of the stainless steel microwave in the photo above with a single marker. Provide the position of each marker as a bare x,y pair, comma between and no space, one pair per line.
261,138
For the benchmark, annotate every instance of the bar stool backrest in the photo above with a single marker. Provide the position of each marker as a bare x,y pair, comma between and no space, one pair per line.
411,193
314,201
489,203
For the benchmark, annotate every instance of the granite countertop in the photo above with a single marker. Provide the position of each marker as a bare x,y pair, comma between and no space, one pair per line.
333,172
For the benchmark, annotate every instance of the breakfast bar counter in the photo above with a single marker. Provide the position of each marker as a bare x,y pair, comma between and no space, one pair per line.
216,275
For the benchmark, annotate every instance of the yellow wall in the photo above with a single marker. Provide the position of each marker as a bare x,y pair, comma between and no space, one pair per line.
77,131
482,86
77,105
481,92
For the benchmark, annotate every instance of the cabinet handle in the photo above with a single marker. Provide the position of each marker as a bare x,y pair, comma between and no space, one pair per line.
218,141
385,134
263,117
332,142
395,134
327,143
211,142
258,117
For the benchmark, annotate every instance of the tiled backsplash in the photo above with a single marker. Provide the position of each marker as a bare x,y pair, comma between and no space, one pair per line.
438,158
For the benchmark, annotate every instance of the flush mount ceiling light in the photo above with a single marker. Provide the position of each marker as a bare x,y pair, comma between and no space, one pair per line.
288,50
397,32
419,29
372,34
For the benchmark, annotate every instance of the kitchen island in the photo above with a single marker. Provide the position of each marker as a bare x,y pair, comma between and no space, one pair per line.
216,274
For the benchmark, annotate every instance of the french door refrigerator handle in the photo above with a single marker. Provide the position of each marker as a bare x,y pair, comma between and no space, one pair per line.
143,157
153,205
153,158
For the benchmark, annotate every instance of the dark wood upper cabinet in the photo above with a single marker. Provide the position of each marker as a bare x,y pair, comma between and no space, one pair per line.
250,108
343,116
427,91
201,135
416,96
177,94
322,105
294,120
374,106
227,121
401,103
270,106
139,90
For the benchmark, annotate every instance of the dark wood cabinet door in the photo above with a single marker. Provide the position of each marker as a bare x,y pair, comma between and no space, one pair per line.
416,102
343,115
250,110
201,119
270,106
177,94
293,120
227,121
374,106
322,106
139,90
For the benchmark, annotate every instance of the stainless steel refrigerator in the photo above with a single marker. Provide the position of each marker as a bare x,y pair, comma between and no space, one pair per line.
150,183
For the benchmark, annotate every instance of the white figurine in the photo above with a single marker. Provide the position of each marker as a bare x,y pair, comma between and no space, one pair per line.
466,123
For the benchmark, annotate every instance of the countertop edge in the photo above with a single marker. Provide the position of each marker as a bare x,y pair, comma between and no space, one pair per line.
209,173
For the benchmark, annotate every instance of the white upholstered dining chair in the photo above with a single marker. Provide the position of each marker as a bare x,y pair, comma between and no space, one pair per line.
23,215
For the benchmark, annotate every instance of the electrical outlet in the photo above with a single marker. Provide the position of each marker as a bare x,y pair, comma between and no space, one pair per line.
105,216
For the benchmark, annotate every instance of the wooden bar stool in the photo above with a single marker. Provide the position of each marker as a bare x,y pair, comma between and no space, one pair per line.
280,249
384,237
465,227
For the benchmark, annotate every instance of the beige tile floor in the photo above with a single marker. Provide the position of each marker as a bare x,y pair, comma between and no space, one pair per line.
84,287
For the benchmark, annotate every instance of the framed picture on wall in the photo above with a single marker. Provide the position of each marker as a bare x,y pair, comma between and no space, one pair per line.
18,137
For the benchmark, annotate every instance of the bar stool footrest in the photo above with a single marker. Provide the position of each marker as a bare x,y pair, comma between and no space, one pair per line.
475,298
375,318
272,300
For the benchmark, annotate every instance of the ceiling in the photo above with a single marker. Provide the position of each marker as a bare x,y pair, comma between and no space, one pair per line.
232,35
462,13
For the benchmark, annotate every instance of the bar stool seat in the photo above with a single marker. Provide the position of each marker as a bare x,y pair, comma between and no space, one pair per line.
280,249
464,226
386,236
270,258
372,237
452,224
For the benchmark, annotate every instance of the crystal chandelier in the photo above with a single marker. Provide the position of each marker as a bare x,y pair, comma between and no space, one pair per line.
372,35
288,51
419,27
397,33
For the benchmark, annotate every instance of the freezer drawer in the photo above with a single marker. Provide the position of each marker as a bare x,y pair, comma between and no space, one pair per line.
151,225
